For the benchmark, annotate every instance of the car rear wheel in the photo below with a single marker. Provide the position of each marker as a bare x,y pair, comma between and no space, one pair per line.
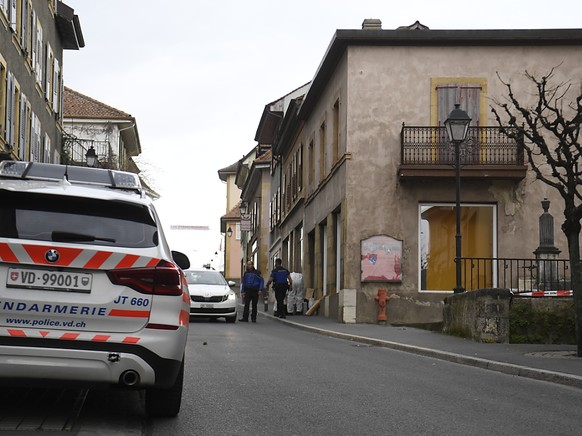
165,402
231,319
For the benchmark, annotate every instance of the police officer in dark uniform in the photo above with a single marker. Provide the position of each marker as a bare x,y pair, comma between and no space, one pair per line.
281,279
250,286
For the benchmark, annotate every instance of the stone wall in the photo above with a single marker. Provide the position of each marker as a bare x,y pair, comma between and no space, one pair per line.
494,315
481,315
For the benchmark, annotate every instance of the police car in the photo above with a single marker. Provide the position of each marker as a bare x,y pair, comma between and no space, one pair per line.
90,292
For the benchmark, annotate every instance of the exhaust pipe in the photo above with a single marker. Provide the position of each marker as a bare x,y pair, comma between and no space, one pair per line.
129,378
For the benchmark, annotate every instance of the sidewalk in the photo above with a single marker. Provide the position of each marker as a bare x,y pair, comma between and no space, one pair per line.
552,363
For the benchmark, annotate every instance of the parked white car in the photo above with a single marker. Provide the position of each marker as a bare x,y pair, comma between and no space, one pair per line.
90,292
211,295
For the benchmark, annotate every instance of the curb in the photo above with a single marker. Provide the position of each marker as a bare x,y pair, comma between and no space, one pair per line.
491,365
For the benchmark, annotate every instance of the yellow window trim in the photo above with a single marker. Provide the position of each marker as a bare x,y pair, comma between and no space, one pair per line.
437,81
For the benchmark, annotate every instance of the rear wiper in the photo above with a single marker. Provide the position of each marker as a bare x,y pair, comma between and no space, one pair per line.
77,237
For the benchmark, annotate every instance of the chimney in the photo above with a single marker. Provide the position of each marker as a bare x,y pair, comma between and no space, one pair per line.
372,24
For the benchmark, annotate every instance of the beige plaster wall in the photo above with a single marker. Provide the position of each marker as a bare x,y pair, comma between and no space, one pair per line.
387,86
264,239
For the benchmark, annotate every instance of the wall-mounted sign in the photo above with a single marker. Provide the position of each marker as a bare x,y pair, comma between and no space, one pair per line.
380,259
245,222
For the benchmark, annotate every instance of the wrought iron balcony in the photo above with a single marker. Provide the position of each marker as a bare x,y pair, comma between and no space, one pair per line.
486,153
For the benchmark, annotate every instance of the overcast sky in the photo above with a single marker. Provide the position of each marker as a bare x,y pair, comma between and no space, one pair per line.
196,75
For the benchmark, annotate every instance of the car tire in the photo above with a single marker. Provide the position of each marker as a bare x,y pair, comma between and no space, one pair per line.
165,403
230,319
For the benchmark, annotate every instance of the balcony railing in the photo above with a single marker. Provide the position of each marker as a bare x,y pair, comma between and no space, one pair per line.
484,146
521,276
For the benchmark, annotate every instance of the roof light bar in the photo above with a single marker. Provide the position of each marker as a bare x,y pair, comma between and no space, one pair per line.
73,174
10,168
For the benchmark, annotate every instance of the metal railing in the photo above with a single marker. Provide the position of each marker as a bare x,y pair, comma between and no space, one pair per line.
517,275
483,146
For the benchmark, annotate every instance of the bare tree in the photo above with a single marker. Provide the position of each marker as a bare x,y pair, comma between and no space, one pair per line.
549,132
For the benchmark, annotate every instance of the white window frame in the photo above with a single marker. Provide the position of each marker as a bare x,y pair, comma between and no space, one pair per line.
56,86
48,76
13,15
23,128
421,207
35,138
25,26
39,54
46,155
10,102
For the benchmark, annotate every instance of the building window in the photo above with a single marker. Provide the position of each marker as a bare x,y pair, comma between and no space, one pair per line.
335,132
48,75
437,230
283,189
469,92
300,169
322,151
38,53
3,95
26,30
311,157
467,96
10,119
47,158
24,127
35,136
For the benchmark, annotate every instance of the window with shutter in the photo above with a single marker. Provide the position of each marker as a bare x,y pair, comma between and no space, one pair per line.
39,54
48,74
471,94
33,24
46,155
24,26
13,15
24,122
467,96
10,101
3,96
56,86
35,139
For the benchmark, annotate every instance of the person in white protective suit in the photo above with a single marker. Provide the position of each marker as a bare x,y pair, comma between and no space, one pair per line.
296,295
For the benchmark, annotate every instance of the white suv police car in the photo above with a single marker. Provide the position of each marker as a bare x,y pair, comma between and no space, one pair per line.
90,292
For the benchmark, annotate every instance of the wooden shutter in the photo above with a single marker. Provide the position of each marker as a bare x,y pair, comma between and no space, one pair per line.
468,96
24,114
10,101
56,86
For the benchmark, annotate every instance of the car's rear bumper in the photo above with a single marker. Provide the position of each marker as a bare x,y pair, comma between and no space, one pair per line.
85,363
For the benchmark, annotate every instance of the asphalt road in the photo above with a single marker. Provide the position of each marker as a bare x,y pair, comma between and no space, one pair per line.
268,378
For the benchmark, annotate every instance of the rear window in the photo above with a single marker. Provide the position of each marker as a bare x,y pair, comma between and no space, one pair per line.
79,220
205,278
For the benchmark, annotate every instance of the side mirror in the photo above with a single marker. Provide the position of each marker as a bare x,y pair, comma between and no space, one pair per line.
181,259
231,283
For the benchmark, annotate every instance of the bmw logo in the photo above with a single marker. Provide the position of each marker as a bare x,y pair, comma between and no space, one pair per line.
52,255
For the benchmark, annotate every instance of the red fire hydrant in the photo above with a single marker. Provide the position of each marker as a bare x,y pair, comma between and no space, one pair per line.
382,299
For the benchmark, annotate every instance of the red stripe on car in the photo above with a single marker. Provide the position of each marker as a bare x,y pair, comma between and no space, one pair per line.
130,313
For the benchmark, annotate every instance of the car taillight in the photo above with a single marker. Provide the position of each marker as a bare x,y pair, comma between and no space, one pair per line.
163,279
